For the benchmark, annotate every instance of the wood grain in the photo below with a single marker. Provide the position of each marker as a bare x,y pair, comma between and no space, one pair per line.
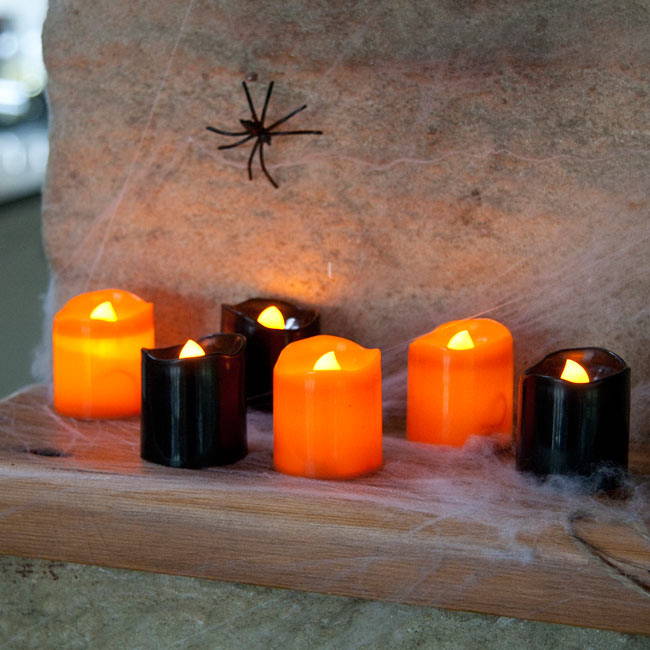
565,558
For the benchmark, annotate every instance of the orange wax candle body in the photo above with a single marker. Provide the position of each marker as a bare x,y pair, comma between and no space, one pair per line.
96,342
327,413
460,382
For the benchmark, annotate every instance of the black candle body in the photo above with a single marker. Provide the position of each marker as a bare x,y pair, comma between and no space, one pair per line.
575,428
265,344
194,409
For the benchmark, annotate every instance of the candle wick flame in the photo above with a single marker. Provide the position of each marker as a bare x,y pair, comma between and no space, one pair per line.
191,349
461,341
272,318
328,361
574,373
104,311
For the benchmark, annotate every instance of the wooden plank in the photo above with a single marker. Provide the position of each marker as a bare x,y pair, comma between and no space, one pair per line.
436,527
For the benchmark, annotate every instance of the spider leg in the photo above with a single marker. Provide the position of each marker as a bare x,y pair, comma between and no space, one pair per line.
263,166
296,133
236,144
220,132
269,90
286,117
250,160
250,102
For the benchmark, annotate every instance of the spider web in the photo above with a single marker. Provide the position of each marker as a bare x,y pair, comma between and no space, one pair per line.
473,485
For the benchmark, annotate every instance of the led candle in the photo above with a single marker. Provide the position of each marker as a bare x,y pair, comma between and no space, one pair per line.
460,382
96,342
269,326
193,403
574,415
327,417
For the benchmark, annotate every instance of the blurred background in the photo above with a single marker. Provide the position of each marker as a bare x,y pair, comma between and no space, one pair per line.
23,160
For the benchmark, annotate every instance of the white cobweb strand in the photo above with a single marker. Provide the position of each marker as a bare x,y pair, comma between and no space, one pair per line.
42,359
485,508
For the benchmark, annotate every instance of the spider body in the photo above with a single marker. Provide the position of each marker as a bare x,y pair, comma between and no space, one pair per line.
255,128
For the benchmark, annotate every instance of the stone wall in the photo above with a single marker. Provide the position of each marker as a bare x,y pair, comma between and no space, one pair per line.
478,157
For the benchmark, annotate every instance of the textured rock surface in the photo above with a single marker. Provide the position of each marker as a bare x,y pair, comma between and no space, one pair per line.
55,605
478,157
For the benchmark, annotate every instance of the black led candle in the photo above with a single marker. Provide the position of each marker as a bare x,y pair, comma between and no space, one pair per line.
579,424
194,409
285,323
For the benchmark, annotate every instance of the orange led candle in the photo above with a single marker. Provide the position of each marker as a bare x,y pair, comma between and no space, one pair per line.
327,409
96,342
460,382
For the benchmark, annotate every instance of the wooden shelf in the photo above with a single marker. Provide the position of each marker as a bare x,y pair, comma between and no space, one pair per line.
435,527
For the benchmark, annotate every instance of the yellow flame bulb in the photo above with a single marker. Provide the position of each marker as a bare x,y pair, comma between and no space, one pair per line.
574,373
272,318
191,349
104,311
461,341
327,362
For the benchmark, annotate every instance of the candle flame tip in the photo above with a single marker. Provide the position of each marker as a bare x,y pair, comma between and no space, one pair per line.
461,341
574,373
272,318
104,311
191,349
327,361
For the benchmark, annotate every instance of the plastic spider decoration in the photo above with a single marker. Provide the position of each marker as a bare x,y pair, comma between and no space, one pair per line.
255,128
